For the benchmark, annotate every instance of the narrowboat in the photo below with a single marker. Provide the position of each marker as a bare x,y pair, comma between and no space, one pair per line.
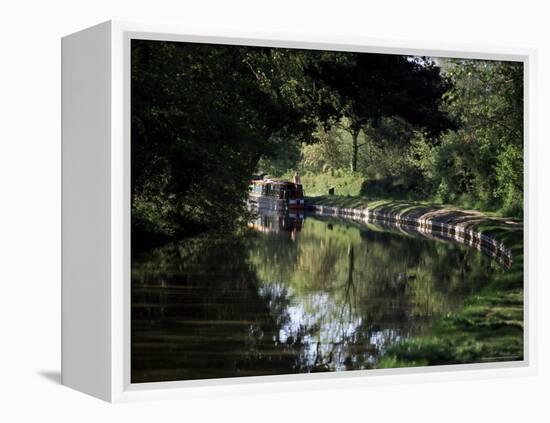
272,194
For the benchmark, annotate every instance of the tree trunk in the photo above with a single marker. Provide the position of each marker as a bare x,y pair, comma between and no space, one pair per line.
354,149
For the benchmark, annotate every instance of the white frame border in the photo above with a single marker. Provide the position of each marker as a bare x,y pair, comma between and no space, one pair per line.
121,389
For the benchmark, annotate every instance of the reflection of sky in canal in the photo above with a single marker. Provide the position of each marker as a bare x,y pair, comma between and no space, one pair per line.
330,345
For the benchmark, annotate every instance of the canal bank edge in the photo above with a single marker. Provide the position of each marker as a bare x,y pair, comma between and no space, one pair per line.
458,225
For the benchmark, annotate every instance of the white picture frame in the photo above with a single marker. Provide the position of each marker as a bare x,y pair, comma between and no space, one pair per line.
96,213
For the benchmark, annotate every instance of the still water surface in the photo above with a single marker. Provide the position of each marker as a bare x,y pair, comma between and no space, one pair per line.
291,296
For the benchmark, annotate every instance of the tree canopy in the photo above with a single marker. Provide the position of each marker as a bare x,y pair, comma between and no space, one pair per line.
368,87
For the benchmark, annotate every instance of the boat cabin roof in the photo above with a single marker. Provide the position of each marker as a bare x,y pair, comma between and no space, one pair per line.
272,182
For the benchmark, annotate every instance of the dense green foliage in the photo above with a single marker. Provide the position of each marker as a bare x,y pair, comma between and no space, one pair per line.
482,162
476,162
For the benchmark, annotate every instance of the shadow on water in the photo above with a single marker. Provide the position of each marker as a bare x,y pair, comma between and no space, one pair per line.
292,295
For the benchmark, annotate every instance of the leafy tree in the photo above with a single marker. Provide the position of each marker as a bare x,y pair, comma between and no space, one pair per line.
482,161
328,153
367,87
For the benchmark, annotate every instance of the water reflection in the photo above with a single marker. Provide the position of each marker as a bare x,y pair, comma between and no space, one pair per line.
292,295
268,221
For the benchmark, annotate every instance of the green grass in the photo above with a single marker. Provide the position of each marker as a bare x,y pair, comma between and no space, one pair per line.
488,328
343,183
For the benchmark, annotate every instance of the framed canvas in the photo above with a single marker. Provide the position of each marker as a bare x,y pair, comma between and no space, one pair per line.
248,212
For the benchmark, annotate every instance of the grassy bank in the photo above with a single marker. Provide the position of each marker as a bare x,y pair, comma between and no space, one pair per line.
344,183
507,230
489,326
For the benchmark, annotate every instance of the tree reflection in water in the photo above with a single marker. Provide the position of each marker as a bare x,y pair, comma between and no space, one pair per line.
291,296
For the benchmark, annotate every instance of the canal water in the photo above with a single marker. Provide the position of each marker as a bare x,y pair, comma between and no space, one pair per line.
292,295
